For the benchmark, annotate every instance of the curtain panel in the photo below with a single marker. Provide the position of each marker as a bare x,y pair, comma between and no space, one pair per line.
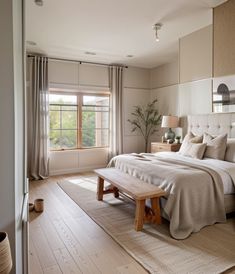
37,118
116,119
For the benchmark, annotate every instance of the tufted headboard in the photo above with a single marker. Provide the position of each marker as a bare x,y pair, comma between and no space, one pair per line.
214,124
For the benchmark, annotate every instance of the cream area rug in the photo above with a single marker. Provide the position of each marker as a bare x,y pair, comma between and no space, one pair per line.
212,250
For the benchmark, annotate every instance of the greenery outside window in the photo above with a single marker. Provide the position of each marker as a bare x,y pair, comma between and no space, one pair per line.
78,120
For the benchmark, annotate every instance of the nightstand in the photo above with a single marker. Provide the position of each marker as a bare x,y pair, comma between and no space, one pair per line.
158,147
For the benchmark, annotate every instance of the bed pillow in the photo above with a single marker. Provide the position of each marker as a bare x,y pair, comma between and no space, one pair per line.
193,150
189,138
216,146
230,151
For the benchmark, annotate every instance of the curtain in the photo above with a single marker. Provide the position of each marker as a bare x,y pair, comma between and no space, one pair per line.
37,118
116,123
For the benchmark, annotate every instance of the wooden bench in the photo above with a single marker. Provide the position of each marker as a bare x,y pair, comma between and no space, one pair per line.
136,189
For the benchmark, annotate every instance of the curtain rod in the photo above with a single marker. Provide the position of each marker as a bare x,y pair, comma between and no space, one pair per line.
80,62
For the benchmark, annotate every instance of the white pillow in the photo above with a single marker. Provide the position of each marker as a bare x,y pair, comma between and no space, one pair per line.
189,138
230,151
216,146
193,150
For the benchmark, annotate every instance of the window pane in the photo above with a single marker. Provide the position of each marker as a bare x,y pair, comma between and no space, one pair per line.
54,119
95,120
53,107
54,139
68,139
96,100
69,119
63,99
88,120
88,138
95,137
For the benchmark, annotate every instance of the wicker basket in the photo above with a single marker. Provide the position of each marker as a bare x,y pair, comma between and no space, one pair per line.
5,254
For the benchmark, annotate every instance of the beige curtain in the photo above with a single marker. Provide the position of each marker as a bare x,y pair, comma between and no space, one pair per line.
37,118
116,119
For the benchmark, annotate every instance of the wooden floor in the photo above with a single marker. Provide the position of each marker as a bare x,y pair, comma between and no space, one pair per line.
63,239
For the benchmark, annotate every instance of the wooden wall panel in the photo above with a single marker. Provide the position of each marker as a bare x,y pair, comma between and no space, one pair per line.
224,39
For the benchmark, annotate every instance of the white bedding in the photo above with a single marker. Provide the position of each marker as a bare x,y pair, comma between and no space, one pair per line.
225,169
195,188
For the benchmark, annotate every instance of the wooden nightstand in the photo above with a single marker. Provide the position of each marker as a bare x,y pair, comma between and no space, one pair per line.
157,147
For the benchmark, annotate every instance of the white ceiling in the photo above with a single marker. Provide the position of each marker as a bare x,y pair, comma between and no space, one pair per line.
114,29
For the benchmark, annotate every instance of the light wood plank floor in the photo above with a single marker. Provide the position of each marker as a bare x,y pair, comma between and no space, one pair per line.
63,239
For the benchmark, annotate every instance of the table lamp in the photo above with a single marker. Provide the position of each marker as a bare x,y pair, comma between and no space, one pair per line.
170,122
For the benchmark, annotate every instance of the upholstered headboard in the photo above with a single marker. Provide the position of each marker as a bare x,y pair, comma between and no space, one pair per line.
214,124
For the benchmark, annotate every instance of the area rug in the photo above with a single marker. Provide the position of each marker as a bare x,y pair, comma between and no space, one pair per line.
212,250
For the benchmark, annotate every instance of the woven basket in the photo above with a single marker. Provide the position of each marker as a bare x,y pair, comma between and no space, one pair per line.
5,254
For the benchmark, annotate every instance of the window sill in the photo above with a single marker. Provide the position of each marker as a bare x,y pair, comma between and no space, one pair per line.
78,149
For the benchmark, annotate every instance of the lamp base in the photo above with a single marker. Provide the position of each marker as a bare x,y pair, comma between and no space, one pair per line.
170,135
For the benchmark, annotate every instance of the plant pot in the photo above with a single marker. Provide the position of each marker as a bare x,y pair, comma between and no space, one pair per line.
39,205
5,254
31,207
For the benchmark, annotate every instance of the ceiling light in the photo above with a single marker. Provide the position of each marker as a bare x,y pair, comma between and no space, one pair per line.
39,2
31,43
90,53
156,28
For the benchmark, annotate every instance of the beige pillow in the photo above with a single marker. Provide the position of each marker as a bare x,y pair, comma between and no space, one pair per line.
216,146
189,138
230,151
193,138
194,150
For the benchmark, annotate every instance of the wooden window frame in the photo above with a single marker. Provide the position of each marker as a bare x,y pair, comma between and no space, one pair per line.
79,117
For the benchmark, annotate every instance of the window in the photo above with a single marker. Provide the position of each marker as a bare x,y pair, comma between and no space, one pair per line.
78,121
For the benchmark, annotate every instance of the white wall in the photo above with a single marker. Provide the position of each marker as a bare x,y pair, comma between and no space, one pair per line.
165,75
11,126
74,76
136,92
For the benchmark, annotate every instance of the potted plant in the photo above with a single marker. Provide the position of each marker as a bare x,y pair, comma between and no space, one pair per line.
177,138
145,120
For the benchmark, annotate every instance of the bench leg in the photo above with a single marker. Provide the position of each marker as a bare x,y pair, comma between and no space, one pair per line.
156,210
139,214
115,192
100,189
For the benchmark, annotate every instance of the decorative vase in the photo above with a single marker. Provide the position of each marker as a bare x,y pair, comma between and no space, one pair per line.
5,254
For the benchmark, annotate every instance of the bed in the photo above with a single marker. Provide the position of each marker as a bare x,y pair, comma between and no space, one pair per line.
199,192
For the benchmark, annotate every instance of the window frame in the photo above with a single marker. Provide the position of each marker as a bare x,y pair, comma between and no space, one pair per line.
79,116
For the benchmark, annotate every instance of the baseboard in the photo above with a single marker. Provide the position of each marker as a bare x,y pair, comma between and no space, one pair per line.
75,170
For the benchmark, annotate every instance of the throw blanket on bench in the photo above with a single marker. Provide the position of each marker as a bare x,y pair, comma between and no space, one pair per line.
195,196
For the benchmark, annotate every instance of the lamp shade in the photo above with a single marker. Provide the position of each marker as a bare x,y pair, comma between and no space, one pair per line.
170,121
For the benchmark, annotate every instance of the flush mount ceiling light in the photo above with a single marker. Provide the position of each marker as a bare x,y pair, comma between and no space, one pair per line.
39,2
156,28
31,43
90,53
